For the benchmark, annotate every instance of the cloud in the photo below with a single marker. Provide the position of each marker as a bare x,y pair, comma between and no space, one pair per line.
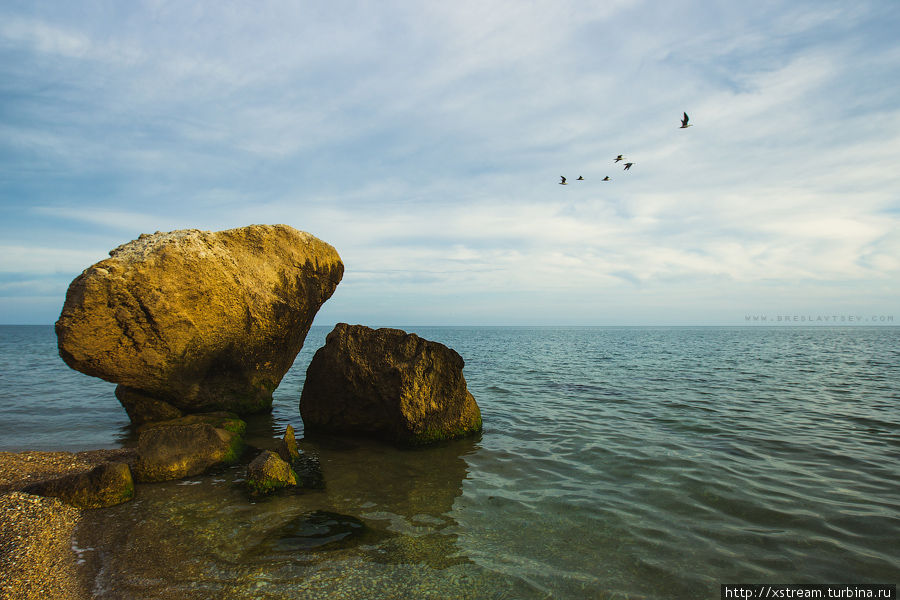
48,287
115,219
44,37
45,261
425,142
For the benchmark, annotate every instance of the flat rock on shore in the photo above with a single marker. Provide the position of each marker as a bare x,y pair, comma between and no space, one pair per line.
37,560
19,469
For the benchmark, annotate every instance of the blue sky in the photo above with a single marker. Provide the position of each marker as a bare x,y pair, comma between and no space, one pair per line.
425,140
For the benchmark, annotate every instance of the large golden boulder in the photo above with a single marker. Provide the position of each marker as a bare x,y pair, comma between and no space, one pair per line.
195,321
389,384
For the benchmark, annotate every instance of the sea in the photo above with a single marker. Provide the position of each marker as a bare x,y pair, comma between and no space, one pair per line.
615,462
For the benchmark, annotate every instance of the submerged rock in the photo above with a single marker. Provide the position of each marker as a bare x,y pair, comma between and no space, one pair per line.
389,384
318,530
192,321
188,446
268,472
105,485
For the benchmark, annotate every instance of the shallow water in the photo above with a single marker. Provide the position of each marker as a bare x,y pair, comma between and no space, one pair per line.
615,462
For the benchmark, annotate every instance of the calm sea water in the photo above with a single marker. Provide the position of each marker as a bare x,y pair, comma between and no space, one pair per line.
614,463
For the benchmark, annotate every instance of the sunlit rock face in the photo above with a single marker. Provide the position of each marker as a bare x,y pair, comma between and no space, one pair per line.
194,321
389,384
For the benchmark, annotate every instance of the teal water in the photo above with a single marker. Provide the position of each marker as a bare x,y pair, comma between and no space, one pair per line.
614,463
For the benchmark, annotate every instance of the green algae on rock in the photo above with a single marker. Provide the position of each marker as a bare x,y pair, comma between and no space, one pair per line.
269,472
218,419
389,384
193,321
188,446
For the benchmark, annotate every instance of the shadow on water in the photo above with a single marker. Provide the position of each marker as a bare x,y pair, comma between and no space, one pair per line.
382,509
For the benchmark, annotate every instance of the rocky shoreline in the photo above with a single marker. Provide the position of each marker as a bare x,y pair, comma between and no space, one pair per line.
37,558
188,371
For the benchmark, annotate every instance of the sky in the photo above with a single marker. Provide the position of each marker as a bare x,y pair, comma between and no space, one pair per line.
425,141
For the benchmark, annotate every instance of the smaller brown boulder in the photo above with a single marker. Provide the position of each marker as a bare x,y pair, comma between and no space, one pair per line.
268,472
187,446
389,384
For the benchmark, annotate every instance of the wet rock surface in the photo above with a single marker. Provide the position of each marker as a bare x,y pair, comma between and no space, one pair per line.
188,446
142,408
268,473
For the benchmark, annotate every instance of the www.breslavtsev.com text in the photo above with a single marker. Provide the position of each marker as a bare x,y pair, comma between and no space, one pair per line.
840,318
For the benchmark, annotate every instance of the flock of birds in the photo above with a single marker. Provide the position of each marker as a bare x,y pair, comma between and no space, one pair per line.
628,165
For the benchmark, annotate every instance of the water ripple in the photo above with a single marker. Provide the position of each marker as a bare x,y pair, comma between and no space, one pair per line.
615,462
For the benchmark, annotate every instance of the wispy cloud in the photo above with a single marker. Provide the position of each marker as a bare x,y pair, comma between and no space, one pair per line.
43,261
98,215
45,38
425,142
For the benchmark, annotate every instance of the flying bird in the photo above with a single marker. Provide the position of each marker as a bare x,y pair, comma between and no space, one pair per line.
563,182
684,122
605,178
628,166
618,158
580,178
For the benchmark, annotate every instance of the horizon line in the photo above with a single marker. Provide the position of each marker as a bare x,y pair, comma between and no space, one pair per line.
569,325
